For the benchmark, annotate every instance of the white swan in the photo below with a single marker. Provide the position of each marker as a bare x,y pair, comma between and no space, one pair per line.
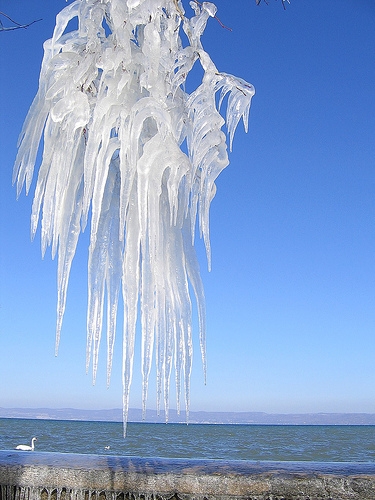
25,447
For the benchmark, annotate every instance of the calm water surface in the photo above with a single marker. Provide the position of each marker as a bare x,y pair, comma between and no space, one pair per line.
323,443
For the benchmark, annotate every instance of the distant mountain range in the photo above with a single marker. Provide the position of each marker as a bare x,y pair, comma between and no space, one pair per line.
195,417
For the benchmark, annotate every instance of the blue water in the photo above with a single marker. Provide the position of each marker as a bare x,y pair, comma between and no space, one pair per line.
347,443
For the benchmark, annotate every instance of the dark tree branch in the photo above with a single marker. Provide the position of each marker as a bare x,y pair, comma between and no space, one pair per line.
217,19
283,2
16,26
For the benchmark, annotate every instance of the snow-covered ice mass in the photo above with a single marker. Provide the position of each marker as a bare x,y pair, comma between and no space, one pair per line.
129,152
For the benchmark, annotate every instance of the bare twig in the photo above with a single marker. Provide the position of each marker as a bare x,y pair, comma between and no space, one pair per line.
16,26
198,3
266,2
217,19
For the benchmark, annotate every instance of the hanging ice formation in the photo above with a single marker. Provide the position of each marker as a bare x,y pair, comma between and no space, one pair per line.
125,144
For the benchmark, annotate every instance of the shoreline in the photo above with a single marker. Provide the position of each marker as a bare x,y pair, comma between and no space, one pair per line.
72,476
195,417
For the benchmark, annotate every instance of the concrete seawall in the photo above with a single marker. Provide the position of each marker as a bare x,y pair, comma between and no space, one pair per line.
58,476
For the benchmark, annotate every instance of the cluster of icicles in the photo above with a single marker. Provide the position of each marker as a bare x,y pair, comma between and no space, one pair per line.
129,150
10,492
48,493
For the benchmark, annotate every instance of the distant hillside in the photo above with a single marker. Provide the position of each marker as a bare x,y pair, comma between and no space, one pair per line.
200,417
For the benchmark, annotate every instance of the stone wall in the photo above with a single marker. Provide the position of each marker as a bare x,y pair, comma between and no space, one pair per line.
54,476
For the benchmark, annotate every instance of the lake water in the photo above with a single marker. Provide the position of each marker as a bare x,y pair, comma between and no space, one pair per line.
341,443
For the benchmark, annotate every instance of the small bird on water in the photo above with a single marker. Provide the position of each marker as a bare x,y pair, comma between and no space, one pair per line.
25,447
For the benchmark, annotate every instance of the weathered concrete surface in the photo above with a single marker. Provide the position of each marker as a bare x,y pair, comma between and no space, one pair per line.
64,476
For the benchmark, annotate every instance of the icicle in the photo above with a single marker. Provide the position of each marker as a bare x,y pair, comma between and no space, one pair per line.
114,115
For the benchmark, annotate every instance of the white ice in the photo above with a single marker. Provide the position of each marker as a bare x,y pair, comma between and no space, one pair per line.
124,142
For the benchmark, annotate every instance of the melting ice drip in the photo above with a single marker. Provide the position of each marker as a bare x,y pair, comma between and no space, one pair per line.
125,143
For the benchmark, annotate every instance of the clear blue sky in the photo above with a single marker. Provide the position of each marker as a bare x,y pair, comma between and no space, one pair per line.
291,295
